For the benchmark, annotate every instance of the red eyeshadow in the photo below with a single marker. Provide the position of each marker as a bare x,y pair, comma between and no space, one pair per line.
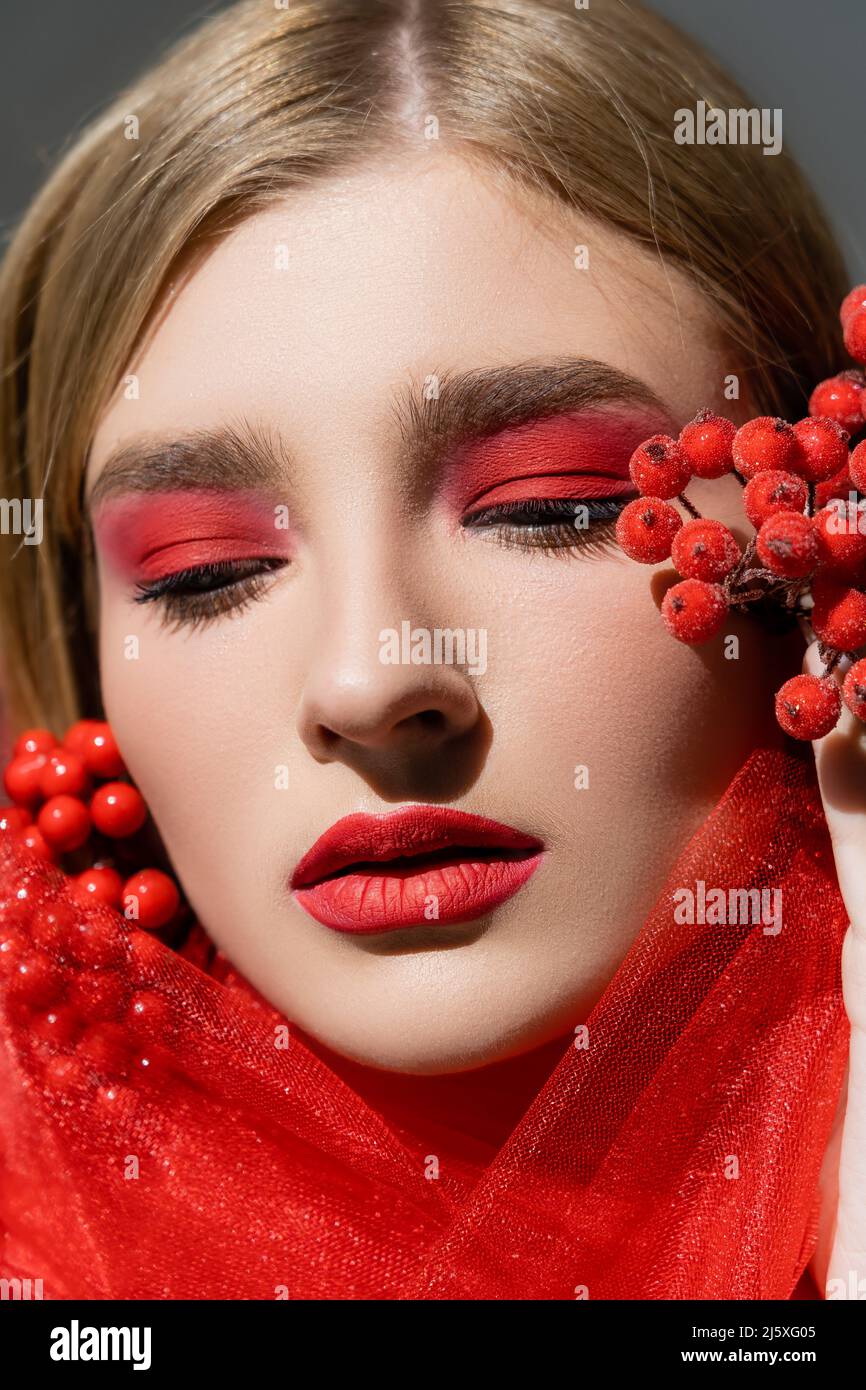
563,456
146,536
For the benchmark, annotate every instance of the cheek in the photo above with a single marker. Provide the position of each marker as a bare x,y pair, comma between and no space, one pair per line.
585,673
196,715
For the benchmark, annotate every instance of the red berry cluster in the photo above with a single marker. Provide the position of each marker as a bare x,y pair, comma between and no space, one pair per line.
808,556
86,988
58,808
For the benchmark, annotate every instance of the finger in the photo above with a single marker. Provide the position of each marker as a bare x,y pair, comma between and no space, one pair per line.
840,760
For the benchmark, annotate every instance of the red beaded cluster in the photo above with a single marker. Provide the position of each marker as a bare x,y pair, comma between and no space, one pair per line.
804,492
85,986
58,808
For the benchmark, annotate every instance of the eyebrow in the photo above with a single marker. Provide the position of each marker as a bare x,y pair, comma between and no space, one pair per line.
448,409
475,404
229,457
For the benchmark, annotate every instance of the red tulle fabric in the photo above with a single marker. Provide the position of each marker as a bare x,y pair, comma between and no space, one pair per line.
673,1153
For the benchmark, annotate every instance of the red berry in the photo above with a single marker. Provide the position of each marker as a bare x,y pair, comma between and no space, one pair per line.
106,1048
149,1064
64,775
840,485
35,741
854,689
150,898
102,885
838,615
704,549
14,948
839,398
645,529
787,545
694,611
36,842
855,335
114,1100
100,752
659,468
146,954
855,299
65,1076
97,942
65,823
118,809
13,819
98,994
772,492
23,776
763,443
840,530
706,444
37,981
60,1026
808,707
52,927
19,898
857,466
76,735
822,449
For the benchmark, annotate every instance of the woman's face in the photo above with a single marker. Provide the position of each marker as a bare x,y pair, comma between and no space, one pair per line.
323,406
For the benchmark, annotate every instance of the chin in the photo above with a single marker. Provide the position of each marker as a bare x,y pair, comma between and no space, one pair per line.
431,1045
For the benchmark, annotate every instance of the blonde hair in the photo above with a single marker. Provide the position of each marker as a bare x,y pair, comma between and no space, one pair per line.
578,104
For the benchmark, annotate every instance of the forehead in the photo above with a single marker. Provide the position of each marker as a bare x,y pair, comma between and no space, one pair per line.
317,309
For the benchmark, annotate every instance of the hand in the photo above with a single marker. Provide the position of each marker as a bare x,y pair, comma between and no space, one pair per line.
840,759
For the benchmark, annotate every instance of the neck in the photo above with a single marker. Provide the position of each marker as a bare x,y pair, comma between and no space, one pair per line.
468,1114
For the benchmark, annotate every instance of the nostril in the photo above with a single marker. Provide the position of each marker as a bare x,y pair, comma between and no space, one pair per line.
425,721
385,711
326,738
432,719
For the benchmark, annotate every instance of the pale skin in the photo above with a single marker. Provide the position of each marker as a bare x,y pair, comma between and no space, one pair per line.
397,273
840,759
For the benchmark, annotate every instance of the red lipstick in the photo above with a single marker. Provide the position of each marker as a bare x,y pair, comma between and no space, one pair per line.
420,864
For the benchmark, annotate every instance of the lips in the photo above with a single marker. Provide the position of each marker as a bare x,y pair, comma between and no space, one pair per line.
421,864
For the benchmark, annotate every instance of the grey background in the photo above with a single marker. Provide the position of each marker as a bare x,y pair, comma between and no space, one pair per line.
60,62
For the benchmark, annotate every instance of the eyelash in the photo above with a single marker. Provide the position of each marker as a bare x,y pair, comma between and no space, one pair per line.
199,595
196,596
552,526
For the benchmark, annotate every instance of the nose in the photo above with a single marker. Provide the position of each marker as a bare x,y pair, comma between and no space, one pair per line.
361,706
354,704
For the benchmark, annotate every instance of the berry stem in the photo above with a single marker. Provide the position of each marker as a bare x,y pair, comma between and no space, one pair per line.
693,511
830,657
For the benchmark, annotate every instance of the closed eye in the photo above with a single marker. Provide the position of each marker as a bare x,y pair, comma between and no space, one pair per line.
551,524
201,593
